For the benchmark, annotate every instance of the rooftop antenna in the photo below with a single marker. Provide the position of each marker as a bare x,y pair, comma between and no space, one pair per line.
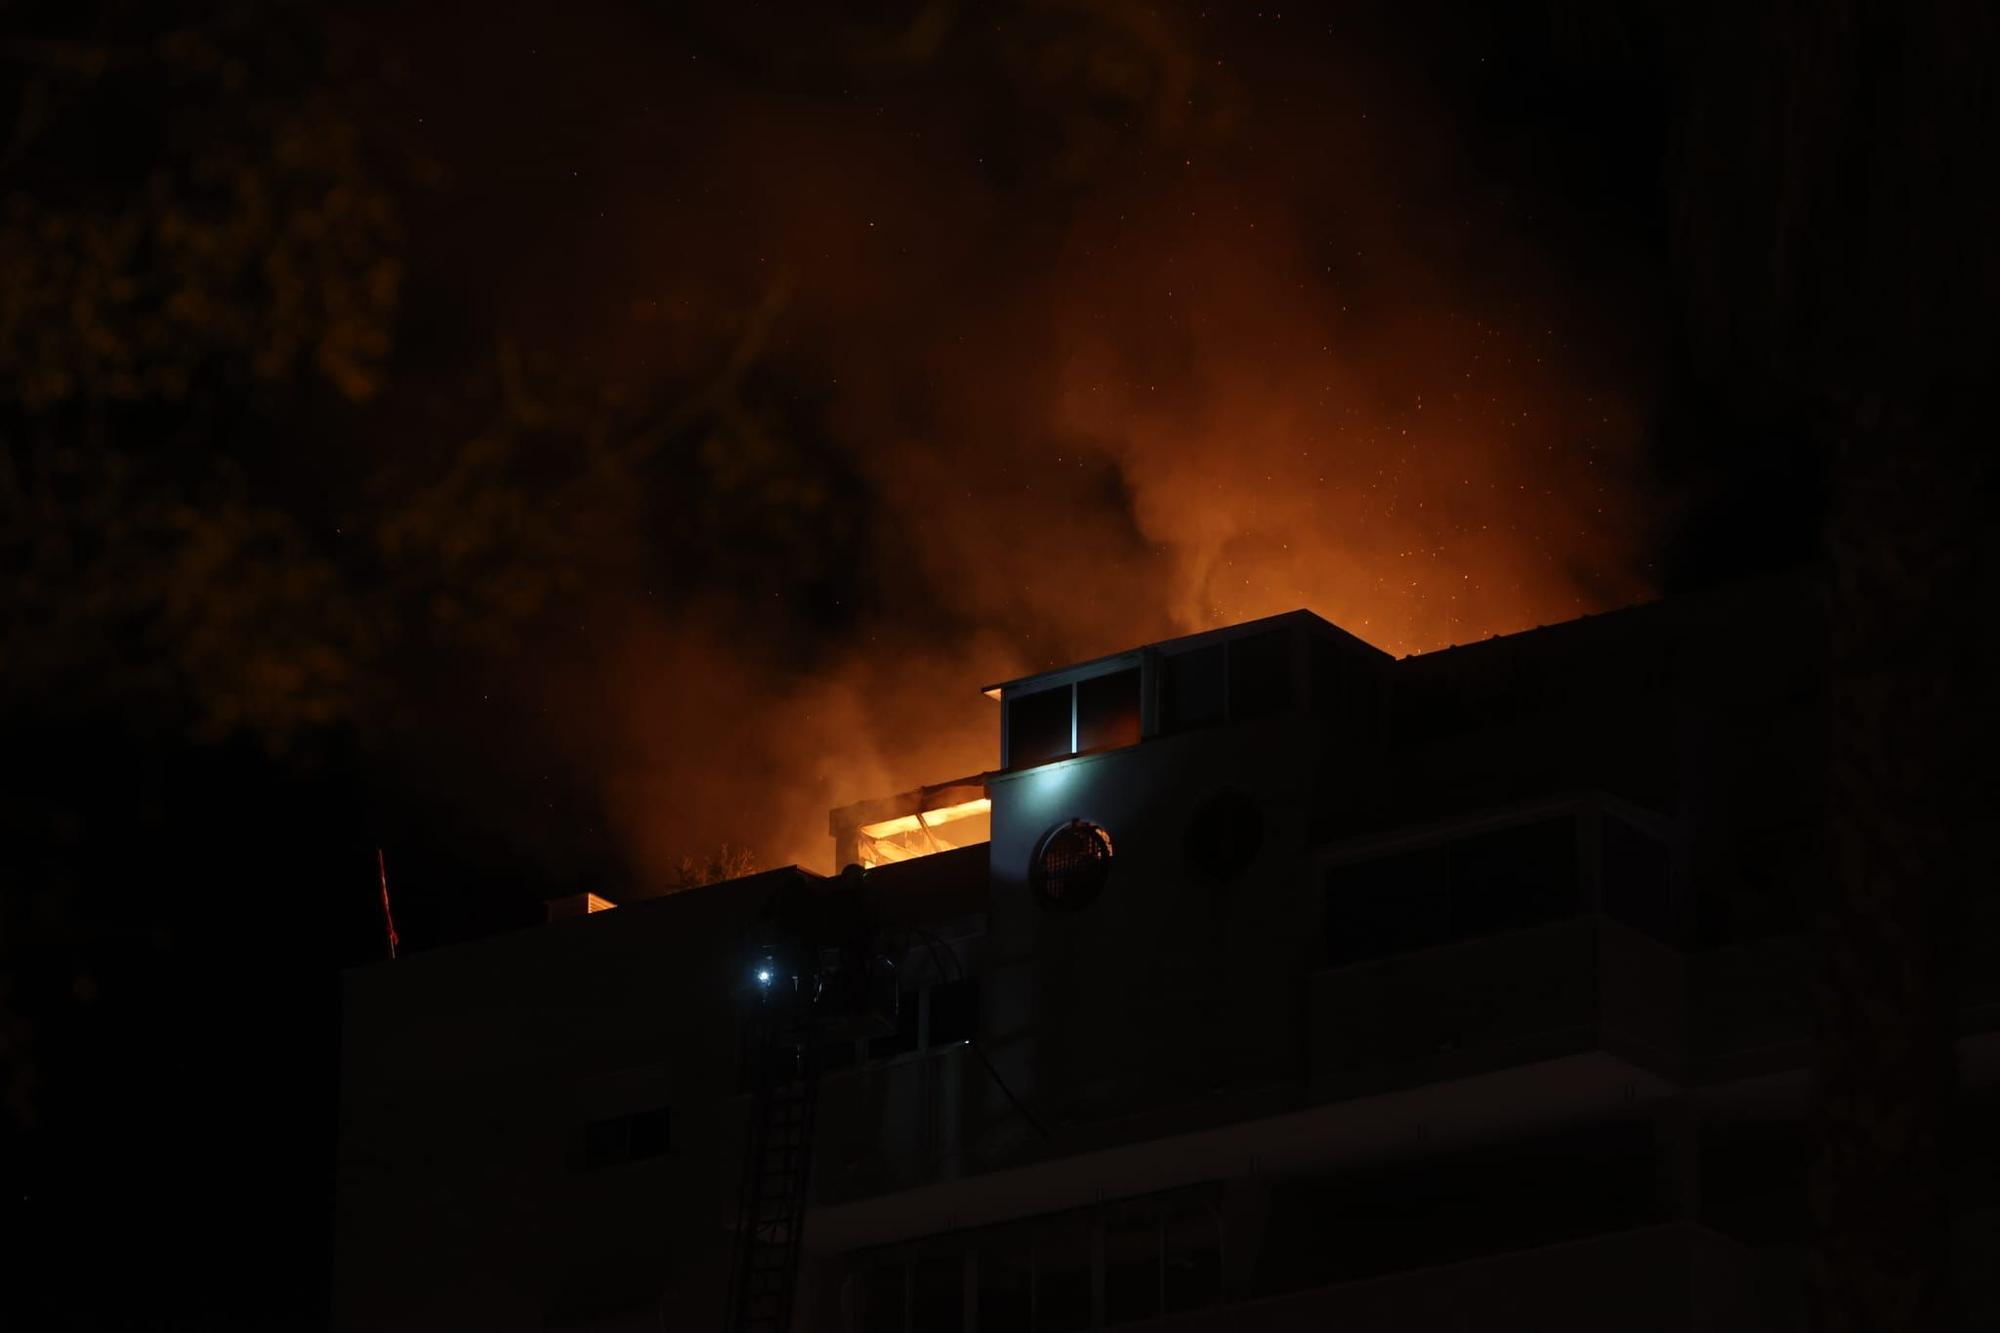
388,917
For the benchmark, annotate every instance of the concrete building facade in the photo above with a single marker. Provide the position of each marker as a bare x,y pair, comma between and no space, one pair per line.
1266,983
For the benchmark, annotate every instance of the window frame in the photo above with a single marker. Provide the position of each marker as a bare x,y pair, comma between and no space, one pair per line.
1026,1237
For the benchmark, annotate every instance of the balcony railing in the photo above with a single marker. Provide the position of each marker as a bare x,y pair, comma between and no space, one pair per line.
1472,1006
1751,1004
1662,1279
912,1121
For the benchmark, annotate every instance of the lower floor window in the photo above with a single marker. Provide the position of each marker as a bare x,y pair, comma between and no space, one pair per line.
1064,1273
621,1138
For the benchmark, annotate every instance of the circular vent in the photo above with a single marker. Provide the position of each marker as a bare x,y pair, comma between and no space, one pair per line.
1225,835
1072,865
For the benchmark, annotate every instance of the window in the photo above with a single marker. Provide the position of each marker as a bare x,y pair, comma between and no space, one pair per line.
1327,683
1637,879
1063,1274
1260,674
601,1298
1522,875
1100,713
648,1134
1038,727
1363,703
1346,692
880,1295
622,1138
904,1039
1235,679
1131,1265
1419,1212
937,1294
1387,906
1059,1273
1107,711
1513,877
1005,1274
954,1011
605,1142
1191,689
1191,1256
953,1017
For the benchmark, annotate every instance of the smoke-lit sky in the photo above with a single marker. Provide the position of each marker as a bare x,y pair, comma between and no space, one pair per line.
544,442
1040,332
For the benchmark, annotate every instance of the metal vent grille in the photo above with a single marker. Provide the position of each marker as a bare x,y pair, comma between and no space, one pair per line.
1072,866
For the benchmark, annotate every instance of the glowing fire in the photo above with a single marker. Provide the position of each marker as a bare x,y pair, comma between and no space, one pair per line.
923,832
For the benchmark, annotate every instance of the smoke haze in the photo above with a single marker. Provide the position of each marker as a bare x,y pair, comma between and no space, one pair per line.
1043,338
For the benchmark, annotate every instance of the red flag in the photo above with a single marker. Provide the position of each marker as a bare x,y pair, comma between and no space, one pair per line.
388,917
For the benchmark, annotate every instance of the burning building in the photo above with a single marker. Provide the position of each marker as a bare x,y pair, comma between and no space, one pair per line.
1265,982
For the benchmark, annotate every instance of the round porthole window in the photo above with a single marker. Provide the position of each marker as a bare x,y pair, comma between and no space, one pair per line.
1071,866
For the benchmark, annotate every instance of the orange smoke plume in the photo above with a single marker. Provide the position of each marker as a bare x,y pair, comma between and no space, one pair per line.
1239,345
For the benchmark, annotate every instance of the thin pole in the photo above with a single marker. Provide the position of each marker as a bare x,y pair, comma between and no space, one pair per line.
388,917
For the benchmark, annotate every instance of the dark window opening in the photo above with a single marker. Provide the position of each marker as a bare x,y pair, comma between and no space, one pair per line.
1325,674
1131,1267
954,1011
601,1298
1191,1244
881,1299
1038,727
649,1133
1526,1192
1637,879
1524,875
618,1139
1191,689
1004,1285
604,1143
1743,1165
1327,686
1063,1275
1513,877
937,1294
1387,906
904,1039
1107,711
1118,1263
1346,694
953,1018
1364,704
1260,674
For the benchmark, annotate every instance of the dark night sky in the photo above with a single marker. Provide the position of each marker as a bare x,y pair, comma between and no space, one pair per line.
592,434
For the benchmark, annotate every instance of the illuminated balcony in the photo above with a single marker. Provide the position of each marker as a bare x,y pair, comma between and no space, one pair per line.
942,817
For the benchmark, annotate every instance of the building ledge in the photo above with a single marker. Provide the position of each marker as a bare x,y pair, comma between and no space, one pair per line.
1667,1277
1467,1111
